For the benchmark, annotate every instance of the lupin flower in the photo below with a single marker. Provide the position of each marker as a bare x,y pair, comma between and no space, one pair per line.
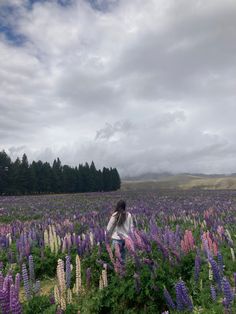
216,272
213,293
56,295
37,287
182,298
101,285
46,238
228,236
187,244
17,283
104,276
179,298
26,281
169,301
31,269
91,237
1,280
232,254
68,271
197,267
210,273
61,276
16,306
69,296
78,282
220,263
227,291
51,239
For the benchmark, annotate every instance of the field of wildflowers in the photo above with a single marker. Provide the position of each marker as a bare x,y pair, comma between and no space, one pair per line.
180,258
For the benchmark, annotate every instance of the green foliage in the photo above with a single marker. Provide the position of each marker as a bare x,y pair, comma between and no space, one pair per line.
37,305
45,266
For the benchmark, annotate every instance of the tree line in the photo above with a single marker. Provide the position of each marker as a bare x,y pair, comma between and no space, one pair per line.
21,177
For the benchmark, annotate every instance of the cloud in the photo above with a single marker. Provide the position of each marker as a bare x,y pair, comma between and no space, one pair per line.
110,130
140,85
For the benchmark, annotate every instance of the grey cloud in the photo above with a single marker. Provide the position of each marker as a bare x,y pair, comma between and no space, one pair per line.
109,130
173,63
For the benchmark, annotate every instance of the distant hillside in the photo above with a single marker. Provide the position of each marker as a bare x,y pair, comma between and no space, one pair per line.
182,181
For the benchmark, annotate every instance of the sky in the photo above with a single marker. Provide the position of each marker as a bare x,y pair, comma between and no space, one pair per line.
143,86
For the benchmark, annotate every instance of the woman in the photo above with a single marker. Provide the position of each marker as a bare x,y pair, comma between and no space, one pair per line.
120,226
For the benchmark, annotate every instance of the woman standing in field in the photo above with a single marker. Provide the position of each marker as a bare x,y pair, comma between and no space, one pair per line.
120,226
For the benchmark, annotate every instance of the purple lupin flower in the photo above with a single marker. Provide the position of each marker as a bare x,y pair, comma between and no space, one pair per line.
227,291
197,267
1,280
26,281
31,269
220,263
15,306
182,298
6,288
12,295
37,287
216,272
185,296
17,283
4,301
169,301
179,298
213,293
68,271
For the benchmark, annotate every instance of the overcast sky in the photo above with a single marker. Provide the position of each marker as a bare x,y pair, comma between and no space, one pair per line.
141,85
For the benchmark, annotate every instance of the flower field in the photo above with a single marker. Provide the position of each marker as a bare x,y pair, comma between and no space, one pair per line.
180,258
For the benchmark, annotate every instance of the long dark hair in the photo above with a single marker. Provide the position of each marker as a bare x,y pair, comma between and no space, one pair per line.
120,212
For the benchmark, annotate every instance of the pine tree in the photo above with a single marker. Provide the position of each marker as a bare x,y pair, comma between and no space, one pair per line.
5,163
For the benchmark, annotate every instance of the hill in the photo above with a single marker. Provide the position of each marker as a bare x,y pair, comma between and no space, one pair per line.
182,181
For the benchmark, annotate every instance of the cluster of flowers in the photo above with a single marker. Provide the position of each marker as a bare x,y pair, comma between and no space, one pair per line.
9,294
63,294
31,285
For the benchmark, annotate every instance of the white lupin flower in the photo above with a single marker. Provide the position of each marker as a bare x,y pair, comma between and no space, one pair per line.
61,277
104,277
46,237
56,295
210,272
78,282
232,254
91,237
228,234
101,285
69,296
63,303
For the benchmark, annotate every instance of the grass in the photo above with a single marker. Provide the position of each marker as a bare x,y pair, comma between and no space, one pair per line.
183,182
46,286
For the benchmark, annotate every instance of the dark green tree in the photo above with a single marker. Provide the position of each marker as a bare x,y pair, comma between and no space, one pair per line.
5,163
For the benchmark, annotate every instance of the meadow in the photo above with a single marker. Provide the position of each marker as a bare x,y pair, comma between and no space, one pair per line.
55,255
